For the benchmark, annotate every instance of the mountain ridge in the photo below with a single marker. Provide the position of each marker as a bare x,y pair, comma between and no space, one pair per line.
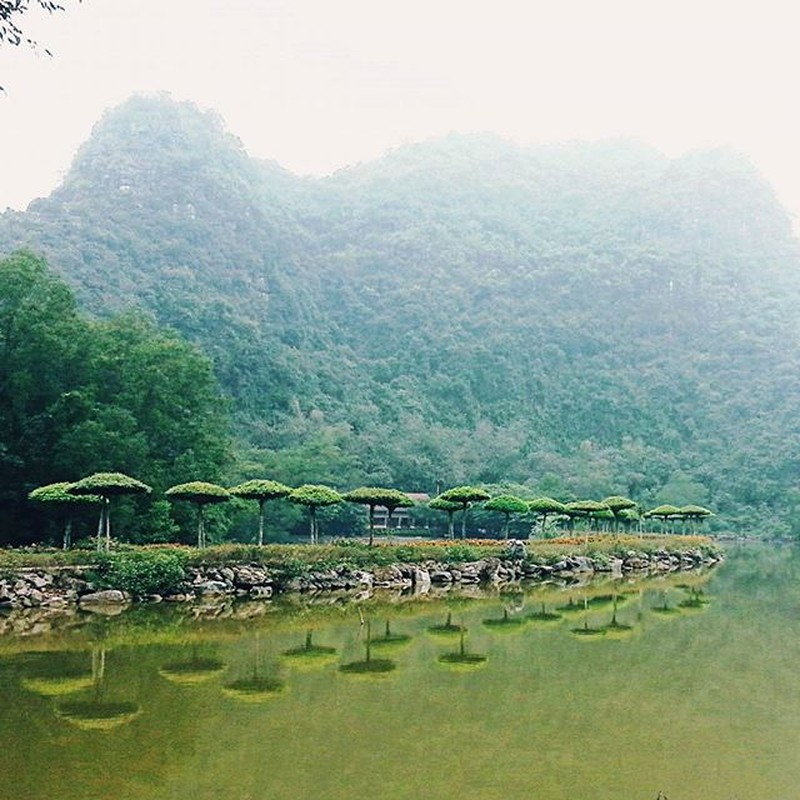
459,309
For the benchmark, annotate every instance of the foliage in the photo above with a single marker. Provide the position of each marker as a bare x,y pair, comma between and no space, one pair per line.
372,496
314,495
260,489
59,493
108,484
142,572
199,492
11,10
80,397
320,304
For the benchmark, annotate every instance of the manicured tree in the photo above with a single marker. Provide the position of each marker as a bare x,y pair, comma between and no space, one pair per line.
464,495
544,507
57,494
314,496
506,504
583,509
618,504
201,494
600,516
664,512
107,485
262,490
629,516
373,497
695,513
439,504
586,509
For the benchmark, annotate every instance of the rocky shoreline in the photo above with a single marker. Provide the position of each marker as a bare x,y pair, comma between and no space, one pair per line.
66,587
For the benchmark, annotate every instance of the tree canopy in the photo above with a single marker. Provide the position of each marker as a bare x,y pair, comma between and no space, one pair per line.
372,497
314,496
320,305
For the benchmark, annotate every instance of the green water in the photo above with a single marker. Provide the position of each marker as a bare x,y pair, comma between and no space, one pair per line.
700,702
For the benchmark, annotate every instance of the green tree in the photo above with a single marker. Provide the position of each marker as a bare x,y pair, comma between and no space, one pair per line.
314,496
261,490
464,495
664,512
544,507
372,497
57,494
107,485
450,507
617,504
506,504
695,514
201,494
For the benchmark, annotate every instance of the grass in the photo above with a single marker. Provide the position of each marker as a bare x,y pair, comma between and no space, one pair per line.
298,559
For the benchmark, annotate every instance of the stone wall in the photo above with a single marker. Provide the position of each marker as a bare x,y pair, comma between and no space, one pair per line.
68,586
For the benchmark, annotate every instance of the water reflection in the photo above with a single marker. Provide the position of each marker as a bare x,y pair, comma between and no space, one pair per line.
160,670
97,712
370,665
254,688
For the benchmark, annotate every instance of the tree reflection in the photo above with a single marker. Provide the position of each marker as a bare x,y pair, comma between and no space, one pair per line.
97,713
257,688
370,665
461,658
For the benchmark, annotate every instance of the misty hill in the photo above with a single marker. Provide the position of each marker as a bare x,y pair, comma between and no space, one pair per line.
586,318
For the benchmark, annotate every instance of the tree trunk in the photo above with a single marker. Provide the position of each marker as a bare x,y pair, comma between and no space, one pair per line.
261,509
451,534
464,522
505,525
313,527
371,523
67,540
201,527
108,524
101,526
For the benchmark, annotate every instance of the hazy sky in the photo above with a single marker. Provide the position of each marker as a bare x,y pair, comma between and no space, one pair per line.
318,84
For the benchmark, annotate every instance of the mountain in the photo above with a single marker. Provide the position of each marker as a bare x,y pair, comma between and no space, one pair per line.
585,319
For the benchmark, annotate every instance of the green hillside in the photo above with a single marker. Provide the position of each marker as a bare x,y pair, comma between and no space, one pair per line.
583,319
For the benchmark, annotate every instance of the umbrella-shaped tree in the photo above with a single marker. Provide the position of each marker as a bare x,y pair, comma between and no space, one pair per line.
261,490
506,504
57,495
664,512
372,497
449,506
106,485
695,513
585,509
545,507
464,495
617,504
201,494
314,496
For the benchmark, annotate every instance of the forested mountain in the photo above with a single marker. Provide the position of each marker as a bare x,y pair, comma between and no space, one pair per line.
584,319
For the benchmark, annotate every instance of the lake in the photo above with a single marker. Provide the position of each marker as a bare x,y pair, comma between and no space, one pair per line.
685,684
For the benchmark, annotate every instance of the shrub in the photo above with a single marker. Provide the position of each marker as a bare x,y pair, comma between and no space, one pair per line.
142,572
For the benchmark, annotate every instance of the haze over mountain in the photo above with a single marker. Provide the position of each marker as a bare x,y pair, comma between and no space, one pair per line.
586,319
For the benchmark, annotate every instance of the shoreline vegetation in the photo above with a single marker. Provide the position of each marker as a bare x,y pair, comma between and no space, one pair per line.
61,579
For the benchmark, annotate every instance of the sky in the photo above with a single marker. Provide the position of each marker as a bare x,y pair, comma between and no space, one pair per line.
320,84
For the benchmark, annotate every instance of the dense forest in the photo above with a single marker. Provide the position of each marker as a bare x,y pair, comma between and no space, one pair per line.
576,321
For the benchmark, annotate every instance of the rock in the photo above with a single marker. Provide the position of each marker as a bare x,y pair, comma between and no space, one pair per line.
260,592
106,597
421,580
211,587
